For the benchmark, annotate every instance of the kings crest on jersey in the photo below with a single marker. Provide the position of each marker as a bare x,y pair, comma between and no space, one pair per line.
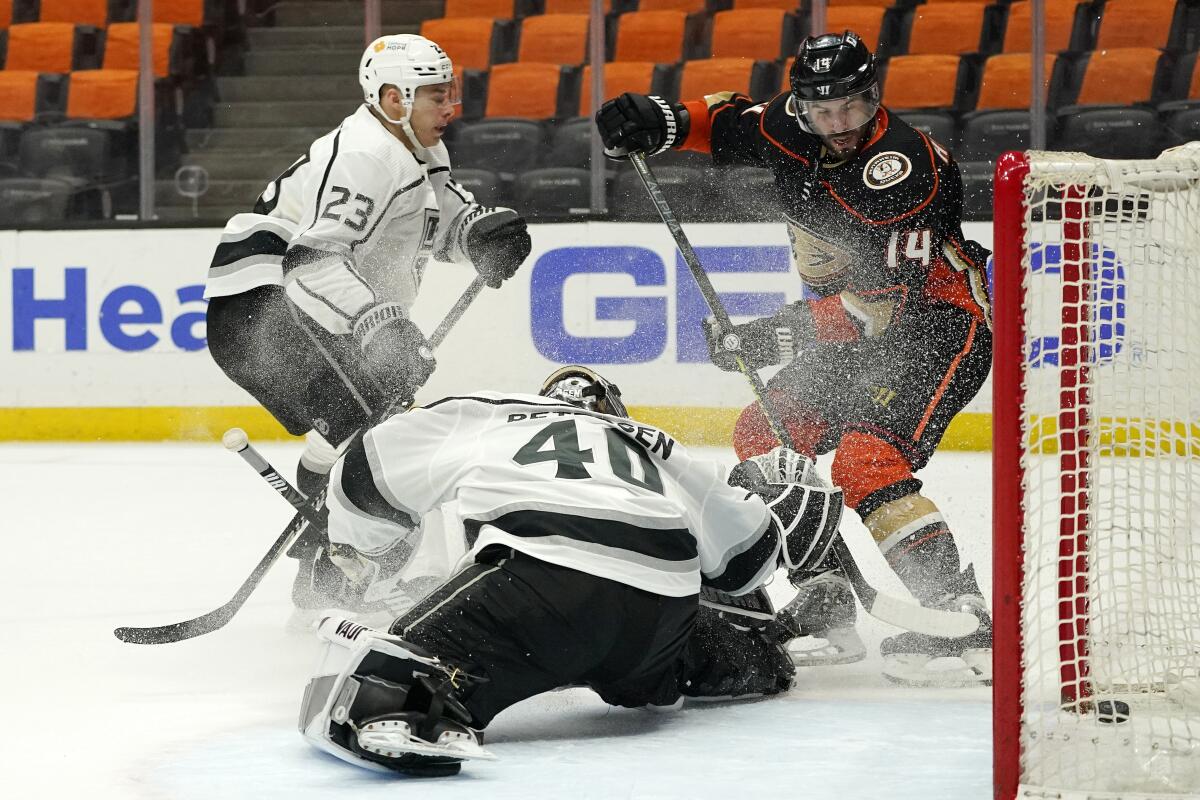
351,222
882,229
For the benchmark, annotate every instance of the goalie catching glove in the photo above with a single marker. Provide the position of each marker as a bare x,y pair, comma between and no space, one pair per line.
395,352
640,123
805,510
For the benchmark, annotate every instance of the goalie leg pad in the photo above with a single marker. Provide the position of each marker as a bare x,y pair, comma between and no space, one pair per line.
392,708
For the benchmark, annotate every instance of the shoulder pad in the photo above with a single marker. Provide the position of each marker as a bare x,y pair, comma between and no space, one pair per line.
780,125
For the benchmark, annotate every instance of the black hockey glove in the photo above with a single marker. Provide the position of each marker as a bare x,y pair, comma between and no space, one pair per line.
498,243
760,343
639,122
394,351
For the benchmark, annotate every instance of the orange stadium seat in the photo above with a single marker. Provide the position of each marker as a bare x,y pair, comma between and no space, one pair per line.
1000,120
1007,80
758,33
497,9
619,77
5,14
179,12
1111,118
122,45
710,75
525,89
41,47
102,94
946,28
865,20
1137,23
1059,22
83,12
470,41
688,6
18,95
1119,77
925,91
573,6
786,5
651,36
921,81
554,38
785,75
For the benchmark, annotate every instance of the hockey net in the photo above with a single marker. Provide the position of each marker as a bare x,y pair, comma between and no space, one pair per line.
1097,476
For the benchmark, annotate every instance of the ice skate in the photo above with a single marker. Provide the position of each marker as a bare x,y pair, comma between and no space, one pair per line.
914,659
825,613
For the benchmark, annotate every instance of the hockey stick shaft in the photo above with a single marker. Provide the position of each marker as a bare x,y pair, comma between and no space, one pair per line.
888,609
306,513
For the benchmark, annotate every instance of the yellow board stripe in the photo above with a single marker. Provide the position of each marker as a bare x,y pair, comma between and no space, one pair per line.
691,425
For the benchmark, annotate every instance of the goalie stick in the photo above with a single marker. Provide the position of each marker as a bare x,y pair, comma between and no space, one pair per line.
307,511
892,610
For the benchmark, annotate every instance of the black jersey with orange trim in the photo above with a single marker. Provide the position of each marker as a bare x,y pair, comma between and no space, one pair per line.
881,230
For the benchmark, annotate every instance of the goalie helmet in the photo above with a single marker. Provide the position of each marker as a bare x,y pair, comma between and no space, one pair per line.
584,388
833,67
408,62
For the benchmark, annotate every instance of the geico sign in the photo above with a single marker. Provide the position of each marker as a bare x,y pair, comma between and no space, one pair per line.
130,318
648,312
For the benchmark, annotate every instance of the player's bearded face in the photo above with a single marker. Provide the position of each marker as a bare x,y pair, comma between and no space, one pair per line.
842,123
432,110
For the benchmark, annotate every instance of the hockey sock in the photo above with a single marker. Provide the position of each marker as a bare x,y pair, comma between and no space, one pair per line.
917,543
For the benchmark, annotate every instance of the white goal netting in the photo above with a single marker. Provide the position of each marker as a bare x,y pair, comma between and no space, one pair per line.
1111,494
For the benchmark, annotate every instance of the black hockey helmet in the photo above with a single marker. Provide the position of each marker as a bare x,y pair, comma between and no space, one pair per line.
586,388
830,67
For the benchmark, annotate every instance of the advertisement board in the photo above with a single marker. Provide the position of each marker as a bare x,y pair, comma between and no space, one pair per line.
102,333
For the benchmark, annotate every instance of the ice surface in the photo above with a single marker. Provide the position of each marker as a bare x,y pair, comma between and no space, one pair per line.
101,535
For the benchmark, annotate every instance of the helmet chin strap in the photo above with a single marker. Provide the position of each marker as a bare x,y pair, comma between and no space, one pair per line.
405,126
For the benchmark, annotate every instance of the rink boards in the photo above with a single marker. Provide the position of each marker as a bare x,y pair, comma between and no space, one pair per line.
102,332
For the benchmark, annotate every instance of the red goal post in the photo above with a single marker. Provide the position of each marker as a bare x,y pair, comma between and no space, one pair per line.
1096,476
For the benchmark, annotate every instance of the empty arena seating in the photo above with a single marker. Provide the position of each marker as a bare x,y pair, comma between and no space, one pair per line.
471,42
999,120
553,38
925,91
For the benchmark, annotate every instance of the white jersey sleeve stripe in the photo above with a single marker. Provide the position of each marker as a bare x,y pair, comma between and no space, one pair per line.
316,216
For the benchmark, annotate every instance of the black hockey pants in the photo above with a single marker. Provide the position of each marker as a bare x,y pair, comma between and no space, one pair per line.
528,626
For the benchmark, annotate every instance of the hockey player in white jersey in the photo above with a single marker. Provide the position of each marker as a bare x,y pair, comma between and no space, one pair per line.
309,293
589,535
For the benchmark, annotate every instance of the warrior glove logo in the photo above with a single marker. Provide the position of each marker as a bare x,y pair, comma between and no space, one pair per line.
886,169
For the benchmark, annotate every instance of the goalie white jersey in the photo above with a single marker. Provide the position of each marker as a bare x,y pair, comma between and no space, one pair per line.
351,223
596,493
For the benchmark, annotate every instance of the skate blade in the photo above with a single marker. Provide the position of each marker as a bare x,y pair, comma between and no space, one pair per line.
395,739
842,646
923,671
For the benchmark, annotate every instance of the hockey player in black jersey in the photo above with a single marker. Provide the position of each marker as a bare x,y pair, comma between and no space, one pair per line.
896,341
309,292
589,538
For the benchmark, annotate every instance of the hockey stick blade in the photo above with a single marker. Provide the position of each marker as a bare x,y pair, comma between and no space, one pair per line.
207,623
902,613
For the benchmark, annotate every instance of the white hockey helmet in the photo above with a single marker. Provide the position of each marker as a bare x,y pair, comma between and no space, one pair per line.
406,61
